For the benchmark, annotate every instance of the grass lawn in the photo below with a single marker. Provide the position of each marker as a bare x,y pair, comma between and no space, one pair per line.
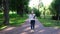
1,24
14,20
2,27
48,22
17,21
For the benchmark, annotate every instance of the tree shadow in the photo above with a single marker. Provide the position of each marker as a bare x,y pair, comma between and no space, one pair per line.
25,29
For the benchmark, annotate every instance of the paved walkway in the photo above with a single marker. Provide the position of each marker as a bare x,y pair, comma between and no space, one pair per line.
25,29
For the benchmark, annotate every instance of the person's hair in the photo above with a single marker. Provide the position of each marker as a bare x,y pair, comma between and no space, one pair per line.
32,11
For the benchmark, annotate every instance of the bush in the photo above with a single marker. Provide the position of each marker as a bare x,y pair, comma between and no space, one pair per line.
55,17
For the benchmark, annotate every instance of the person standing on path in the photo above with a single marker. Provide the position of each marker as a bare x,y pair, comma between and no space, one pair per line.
32,20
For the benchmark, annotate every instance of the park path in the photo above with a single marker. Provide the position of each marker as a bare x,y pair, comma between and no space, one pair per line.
25,29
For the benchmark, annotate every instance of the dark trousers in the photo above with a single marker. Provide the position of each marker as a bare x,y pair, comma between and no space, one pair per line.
32,24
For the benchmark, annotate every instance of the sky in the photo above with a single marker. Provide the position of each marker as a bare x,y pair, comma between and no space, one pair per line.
34,3
47,2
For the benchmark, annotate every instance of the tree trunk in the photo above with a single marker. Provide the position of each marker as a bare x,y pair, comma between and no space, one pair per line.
20,10
44,12
6,12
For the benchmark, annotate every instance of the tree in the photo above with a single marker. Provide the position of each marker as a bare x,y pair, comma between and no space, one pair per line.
0,2
36,11
19,6
0,5
44,8
23,5
44,12
55,8
13,5
6,12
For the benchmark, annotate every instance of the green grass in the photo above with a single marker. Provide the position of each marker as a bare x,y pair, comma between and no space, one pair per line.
2,27
14,20
1,24
48,22
17,21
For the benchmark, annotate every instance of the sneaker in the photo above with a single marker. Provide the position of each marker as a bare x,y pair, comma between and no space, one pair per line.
32,30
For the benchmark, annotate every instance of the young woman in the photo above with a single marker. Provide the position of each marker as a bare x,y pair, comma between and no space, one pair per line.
32,20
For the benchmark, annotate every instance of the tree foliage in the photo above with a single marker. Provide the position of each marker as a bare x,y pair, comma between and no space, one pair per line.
55,9
15,3
36,12
19,5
